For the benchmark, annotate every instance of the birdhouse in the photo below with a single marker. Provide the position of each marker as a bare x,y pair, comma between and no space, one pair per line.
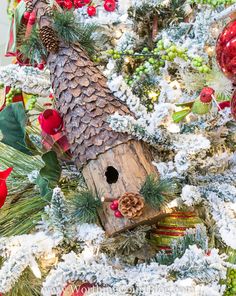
112,163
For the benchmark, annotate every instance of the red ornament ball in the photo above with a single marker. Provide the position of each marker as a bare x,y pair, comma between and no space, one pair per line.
118,214
50,121
110,5
206,95
226,51
233,105
92,10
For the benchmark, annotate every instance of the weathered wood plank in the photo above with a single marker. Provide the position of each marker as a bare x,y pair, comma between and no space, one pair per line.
133,164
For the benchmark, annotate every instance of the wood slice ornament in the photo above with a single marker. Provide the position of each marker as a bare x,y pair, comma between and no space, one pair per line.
112,163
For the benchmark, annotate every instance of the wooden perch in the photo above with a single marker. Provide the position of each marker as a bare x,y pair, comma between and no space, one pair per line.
155,27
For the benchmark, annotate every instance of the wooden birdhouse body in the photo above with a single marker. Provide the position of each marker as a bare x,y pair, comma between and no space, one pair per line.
115,172
121,169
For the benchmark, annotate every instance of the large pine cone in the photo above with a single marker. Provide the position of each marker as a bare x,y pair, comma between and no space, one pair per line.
49,39
131,205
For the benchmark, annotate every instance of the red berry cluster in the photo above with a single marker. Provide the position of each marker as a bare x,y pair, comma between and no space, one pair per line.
30,17
114,207
109,5
69,4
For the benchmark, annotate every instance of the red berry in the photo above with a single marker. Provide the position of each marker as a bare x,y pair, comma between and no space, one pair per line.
116,202
78,3
91,10
51,96
27,15
114,205
118,214
110,5
32,18
86,1
41,66
68,4
60,2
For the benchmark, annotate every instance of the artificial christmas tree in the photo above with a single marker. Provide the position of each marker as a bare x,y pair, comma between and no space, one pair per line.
163,89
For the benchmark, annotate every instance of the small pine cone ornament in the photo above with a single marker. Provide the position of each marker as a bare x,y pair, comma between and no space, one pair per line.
49,39
29,6
131,205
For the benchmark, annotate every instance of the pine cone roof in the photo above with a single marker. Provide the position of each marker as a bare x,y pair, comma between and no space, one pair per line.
85,103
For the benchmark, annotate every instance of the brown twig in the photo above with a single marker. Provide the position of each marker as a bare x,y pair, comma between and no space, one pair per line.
107,199
155,27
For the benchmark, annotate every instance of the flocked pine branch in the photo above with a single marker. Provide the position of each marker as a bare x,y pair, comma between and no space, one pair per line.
58,213
201,267
29,79
148,279
127,124
20,252
127,243
197,236
221,208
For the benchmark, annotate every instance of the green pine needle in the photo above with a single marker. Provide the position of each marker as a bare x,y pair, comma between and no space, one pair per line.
69,30
157,192
27,285
126,243
85,207
32,48
22,216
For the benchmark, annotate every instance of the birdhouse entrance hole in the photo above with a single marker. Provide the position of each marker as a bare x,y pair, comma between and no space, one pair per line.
111,175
